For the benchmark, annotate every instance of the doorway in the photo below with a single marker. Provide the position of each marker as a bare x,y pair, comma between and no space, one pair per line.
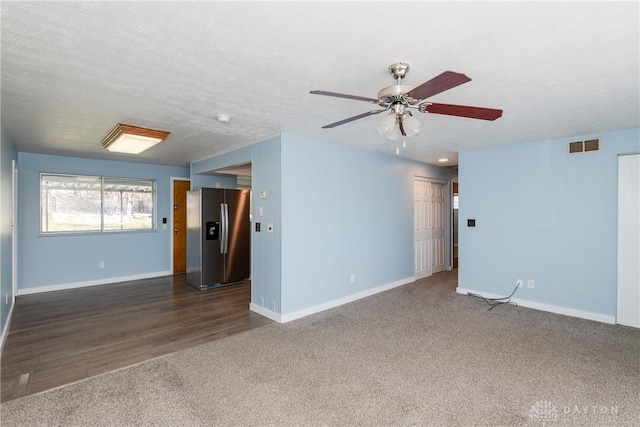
179,225
454,224
429,227
238,177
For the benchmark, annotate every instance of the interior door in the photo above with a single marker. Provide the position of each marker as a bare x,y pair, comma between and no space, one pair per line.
180,189
437,228
422,227
628,307
429,227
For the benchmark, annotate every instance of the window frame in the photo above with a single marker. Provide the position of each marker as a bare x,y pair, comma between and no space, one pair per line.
102,230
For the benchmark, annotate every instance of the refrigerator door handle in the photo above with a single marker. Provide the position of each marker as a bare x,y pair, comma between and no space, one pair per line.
226,228
223,227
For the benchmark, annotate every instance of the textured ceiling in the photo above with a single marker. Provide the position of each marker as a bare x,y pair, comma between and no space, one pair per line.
72,70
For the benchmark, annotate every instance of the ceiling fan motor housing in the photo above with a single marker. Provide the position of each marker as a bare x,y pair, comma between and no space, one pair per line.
393,93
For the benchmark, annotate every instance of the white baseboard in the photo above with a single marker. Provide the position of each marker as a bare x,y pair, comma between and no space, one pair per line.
547,307
265,312
5,330
344,300
106,281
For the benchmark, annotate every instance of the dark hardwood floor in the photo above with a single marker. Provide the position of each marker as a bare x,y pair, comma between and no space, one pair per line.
64,336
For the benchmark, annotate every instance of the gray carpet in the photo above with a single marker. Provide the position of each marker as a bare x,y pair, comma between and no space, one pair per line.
415,355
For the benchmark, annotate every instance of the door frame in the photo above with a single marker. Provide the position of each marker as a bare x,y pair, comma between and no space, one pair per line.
14,230
173,180
454,226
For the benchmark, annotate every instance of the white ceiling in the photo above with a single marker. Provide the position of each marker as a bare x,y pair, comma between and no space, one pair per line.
72,70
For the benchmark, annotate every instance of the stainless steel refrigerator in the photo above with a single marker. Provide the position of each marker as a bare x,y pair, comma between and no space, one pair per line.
218,237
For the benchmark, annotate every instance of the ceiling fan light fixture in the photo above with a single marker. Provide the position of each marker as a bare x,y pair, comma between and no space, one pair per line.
395,133
130,139
387,125
410,125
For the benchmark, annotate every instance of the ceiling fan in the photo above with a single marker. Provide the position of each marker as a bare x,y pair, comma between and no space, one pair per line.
399,99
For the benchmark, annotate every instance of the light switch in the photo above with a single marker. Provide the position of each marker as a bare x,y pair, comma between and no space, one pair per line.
260,211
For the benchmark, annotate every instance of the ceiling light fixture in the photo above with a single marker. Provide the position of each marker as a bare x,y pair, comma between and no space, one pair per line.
132,139
224,118
398,122
442,160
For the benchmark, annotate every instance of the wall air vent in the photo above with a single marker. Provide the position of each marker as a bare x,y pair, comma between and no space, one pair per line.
585,146
592,145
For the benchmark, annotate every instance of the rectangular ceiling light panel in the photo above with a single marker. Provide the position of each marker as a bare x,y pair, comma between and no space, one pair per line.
132,139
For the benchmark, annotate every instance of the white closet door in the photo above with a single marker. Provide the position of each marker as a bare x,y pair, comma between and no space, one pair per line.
628,240
437,228
422,228
429,230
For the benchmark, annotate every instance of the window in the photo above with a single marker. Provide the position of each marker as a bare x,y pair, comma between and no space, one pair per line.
74,203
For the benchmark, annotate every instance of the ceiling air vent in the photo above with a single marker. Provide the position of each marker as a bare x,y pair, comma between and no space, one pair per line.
584,146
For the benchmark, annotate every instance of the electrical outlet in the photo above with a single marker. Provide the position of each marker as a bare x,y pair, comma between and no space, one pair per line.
269,228
519,282
101,264
530,284
353,278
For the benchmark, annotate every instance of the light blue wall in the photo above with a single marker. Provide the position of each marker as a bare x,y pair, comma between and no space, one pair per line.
72,259
545,215
213,181
7,155
265,247
345,211
335,211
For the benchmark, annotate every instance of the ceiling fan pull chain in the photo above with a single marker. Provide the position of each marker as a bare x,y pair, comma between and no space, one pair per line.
401,127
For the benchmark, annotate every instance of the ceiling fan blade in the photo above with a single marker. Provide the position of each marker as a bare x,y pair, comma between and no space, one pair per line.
464,111
350,119
440,83
343,95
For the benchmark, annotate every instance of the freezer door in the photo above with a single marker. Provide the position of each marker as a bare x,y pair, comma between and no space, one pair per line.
212,248
238,240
